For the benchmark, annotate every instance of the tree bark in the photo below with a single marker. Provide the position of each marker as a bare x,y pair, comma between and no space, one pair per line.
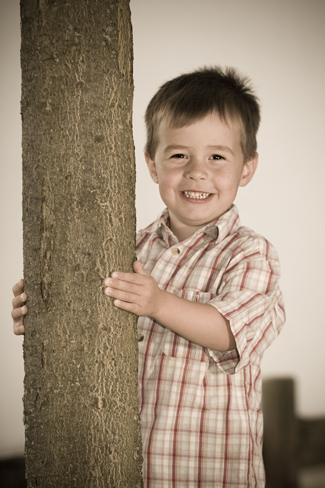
81,355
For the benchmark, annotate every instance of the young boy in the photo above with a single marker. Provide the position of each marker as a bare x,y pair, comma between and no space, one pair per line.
205,288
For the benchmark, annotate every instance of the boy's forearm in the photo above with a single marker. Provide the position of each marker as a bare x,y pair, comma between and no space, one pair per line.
200,323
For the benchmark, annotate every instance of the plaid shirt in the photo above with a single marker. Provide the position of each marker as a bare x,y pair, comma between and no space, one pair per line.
200,409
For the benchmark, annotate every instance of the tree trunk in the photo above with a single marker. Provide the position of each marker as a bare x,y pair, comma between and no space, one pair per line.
81,356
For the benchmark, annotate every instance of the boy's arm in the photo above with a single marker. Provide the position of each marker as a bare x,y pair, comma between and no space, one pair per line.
197,322
19,308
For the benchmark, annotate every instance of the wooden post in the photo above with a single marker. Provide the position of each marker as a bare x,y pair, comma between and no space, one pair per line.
280,433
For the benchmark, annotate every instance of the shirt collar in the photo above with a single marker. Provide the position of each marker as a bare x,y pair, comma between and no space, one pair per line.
221,227
227,223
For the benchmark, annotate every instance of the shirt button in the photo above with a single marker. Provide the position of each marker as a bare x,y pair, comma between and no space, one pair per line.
176,251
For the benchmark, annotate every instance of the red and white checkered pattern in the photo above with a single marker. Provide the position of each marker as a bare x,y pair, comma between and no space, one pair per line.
200,409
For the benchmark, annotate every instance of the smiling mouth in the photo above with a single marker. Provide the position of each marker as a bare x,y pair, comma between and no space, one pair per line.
196,195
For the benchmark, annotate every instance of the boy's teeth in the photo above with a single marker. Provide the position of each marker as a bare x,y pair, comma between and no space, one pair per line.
194,194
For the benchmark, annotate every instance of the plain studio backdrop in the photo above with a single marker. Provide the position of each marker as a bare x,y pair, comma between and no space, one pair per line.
279,44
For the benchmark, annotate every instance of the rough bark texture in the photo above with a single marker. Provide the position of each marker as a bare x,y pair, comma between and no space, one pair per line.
81,392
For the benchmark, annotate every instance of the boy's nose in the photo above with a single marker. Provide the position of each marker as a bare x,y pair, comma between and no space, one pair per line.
196,170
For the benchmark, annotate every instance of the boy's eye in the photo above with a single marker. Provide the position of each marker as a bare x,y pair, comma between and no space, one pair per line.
216,157
178,156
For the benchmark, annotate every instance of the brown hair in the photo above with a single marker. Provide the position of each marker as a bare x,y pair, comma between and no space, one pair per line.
192,96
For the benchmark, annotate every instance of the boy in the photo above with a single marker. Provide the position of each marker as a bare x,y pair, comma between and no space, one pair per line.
205,288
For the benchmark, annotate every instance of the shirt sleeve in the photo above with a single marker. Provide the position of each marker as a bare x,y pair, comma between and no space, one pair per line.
250,298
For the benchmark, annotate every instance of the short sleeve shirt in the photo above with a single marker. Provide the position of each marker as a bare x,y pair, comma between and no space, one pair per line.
200,409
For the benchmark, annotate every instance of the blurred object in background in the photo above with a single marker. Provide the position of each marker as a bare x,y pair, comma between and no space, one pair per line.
12,473
294,446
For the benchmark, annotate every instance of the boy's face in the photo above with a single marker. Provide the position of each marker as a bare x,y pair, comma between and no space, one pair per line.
199,168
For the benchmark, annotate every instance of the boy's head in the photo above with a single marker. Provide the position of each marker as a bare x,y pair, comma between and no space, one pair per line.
191,97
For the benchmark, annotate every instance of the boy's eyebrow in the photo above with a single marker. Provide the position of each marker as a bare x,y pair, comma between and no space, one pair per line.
215,148
174,147
222,148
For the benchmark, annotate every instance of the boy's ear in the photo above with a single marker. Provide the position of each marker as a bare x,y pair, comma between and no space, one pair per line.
152,167
249,170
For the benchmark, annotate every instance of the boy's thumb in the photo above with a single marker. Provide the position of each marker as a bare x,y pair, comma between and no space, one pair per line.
137,266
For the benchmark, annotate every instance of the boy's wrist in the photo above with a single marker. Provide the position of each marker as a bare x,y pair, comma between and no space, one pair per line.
161,303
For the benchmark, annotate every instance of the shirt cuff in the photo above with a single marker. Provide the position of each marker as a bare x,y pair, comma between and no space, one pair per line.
226,361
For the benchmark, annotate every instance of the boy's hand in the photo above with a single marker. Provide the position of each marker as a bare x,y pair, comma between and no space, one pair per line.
136,292
19,308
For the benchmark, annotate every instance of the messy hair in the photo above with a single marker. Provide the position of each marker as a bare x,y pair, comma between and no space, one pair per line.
192,96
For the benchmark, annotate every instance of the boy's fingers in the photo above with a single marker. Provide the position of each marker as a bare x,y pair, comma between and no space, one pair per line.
126,277
19,300
127,306
19,309
120,277
123,292
123,285
120,280
19,313
18,288
19,329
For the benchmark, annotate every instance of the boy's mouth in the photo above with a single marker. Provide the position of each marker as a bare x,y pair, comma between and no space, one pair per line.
196,195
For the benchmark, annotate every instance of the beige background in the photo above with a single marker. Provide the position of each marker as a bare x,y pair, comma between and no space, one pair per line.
280,45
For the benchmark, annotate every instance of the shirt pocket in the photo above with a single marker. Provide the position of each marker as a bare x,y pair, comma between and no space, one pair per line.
182,382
